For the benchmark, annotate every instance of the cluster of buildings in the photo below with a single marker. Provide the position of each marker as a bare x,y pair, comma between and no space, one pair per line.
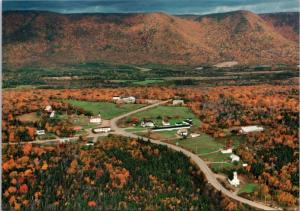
181,127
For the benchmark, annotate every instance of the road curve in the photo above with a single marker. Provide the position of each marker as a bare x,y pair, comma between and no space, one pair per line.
197,160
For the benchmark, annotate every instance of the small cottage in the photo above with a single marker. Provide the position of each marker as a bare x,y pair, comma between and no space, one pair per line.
147,124
234,158
96,119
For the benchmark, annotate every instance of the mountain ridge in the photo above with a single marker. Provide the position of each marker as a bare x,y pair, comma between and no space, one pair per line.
48,38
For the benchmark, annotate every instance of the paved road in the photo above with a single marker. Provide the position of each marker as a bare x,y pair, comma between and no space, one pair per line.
210,176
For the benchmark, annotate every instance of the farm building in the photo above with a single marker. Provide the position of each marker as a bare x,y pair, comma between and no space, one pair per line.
182,132
234,158
178,102
147,124
40,132
235,181
250,129
130,99
170,128
102,130
96,119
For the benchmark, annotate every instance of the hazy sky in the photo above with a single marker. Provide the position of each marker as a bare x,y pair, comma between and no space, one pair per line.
169,6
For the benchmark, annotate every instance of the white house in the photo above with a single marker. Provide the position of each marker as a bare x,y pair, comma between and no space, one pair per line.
182,132
130,99
102,130
147,124
165,123
40,132
234,158
250,129
96,119
48,108
194,135
226,151
235,181
178,102
52,114
116,98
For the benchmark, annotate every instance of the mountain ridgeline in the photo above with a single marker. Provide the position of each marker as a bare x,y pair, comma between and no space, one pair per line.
51,39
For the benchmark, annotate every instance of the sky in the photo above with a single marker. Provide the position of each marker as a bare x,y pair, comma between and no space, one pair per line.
168,6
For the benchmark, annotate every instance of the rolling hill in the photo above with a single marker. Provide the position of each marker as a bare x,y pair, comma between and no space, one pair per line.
52,39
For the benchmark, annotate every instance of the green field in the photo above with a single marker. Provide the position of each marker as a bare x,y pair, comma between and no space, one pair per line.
201,145
218,167
106,109
207,148
247,188
168,134
174,113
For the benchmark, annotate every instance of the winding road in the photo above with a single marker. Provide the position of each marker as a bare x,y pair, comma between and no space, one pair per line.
210,176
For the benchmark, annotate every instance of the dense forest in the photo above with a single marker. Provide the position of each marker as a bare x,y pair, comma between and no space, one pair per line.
116,173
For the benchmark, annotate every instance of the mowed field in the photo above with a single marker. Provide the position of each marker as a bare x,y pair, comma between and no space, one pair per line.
208,148
173,113
107,110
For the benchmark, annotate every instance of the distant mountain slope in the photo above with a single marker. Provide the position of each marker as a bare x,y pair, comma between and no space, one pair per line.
285,23
45,38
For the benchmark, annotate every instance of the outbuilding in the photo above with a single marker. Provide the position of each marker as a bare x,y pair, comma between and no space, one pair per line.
40,132
182,132
96,119
251,129
178,102
234,158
